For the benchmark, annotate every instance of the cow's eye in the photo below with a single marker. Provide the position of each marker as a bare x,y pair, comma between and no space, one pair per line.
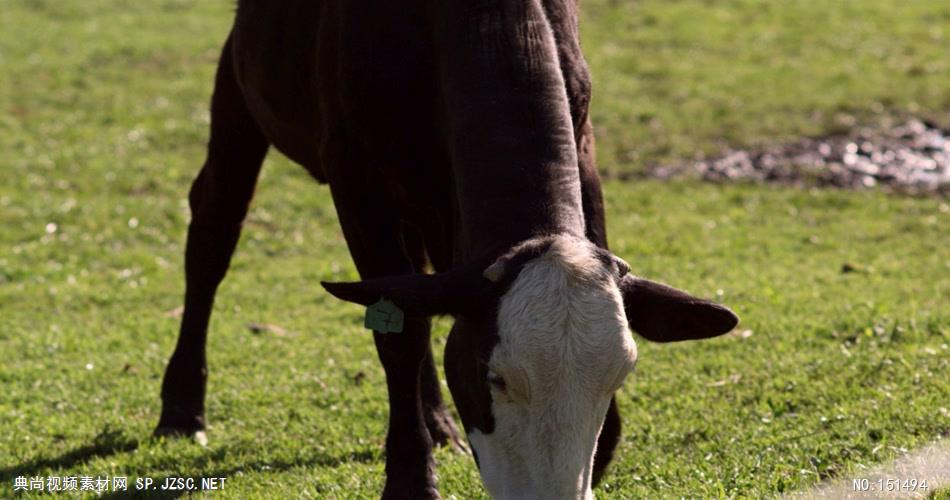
497,382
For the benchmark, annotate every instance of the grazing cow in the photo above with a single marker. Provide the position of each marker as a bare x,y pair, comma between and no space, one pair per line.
455,134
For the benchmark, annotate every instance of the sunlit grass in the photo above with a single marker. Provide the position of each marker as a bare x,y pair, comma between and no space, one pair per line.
102,126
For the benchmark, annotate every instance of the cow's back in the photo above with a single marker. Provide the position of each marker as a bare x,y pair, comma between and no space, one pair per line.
355,89
320,74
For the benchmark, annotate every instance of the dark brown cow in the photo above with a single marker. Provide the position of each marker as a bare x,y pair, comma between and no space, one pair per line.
455,133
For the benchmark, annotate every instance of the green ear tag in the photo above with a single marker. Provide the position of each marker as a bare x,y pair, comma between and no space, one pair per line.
384,317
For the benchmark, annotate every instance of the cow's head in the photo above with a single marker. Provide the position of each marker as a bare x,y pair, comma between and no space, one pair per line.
539,346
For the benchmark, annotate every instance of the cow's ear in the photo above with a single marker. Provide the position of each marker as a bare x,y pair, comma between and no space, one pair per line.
417,294
662,313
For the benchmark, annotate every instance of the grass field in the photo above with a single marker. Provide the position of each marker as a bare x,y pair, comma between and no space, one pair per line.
942,494
673,79
102,125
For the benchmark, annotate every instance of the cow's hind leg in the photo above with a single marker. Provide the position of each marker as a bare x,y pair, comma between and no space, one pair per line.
219,199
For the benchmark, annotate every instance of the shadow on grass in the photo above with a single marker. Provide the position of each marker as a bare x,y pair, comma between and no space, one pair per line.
281,465
108,442
134,493
261,466
112,441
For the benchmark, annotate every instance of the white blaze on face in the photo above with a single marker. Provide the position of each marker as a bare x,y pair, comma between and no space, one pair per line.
563,349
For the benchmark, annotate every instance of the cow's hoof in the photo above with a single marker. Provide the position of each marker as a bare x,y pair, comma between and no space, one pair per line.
443,431
394,492
198,436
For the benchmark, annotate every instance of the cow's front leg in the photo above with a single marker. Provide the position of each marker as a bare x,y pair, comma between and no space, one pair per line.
410,470
606,442
219,201
379,247
439,421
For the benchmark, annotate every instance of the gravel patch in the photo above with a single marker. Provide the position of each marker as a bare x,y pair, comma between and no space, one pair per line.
913,156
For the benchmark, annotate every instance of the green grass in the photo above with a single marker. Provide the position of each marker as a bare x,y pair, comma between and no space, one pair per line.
941,494
673,79
102,125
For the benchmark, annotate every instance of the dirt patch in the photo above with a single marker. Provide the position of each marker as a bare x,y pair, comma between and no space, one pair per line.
912,156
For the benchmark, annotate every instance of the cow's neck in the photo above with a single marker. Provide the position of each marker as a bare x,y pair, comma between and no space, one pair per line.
508,125
510,207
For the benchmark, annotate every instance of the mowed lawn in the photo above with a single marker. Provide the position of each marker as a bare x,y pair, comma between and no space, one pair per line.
841,359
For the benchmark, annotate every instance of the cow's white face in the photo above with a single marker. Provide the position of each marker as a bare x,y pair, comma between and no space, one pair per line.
563,350
539,345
